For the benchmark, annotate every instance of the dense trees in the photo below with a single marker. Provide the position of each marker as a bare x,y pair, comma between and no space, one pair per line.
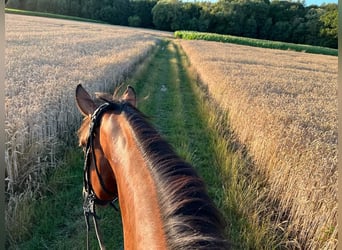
287,21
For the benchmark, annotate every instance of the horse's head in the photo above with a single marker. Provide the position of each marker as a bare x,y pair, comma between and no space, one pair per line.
101,176
163,202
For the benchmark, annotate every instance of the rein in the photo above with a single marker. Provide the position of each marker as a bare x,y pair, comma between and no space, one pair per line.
89,196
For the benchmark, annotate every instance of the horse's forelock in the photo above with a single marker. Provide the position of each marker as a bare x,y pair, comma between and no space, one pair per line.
83,132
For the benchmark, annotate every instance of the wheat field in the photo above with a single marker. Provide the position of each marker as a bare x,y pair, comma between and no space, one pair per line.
44,61
283,106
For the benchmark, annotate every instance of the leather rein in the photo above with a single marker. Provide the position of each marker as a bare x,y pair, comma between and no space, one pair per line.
89,197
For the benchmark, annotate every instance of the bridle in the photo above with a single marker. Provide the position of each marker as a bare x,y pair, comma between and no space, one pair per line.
89,196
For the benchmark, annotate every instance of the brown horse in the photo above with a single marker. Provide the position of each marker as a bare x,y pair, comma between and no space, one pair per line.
164,203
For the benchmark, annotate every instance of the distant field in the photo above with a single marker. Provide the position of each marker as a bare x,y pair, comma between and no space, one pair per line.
283,106
45,60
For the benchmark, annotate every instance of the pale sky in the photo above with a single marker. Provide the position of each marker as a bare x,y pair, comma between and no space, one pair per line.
307,2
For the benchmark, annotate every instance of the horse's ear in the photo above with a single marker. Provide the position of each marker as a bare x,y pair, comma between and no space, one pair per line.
130,96
85,103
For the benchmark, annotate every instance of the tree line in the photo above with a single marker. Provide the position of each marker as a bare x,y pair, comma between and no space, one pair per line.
263,19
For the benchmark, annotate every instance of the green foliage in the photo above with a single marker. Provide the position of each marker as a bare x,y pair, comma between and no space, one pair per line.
192,35
168,15
134,21
329,22
281,31
287,21
143,9
161,18
114,12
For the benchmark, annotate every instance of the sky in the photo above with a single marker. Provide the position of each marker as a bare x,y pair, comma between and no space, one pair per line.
318,2
307,2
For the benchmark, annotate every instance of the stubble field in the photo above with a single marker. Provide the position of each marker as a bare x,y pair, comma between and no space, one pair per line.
283,106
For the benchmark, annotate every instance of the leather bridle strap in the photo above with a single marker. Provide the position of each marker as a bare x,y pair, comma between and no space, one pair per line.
89,209
88,193
95,121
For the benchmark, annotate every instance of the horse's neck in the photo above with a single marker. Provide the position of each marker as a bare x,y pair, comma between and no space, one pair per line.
142,223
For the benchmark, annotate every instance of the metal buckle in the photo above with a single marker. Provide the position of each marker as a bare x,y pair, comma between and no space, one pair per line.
89,204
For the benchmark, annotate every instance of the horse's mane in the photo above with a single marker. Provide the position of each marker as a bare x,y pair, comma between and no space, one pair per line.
191,220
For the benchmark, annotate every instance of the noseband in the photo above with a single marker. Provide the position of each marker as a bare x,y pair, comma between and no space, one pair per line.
89,196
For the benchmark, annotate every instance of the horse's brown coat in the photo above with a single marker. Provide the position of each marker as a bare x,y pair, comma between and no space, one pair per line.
163,202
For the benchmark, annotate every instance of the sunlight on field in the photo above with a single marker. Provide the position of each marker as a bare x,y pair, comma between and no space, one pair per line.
45,60
283,106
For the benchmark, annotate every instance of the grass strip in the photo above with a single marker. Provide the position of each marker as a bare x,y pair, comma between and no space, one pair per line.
194,35
185,116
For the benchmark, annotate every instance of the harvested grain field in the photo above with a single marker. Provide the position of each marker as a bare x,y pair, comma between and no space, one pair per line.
45,60
283,106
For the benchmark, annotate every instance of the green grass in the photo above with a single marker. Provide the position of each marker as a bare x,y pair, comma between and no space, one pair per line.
198,131
50,15
57,220
193,35
181,111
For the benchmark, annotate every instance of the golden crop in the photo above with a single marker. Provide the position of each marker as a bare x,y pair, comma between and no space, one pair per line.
283,106
45,60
